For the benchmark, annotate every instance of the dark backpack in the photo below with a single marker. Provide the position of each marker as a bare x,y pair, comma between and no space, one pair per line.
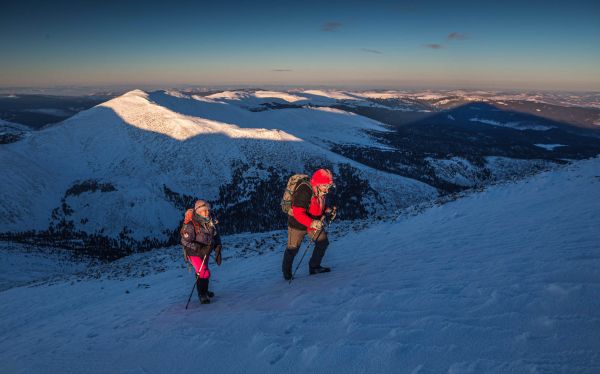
292,185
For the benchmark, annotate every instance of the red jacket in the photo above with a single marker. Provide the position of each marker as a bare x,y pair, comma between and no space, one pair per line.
306,204
315,210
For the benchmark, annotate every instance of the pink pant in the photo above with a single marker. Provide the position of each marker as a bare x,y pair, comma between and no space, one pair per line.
197,263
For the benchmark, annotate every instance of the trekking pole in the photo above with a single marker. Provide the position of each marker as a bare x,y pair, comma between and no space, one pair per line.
196,281
312,240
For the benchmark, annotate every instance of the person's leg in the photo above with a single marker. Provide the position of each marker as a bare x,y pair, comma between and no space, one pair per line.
295,238
205,279
202,281
288,260
321,243
203,293
200,268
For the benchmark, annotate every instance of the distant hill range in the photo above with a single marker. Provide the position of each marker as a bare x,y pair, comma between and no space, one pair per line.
117,177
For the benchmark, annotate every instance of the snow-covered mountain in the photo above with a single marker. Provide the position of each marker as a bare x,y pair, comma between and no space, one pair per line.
500,281
126,169
120,174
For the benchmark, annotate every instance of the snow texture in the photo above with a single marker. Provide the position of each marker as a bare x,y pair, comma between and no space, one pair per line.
506,280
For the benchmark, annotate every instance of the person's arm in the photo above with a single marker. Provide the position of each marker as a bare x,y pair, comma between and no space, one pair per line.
301,203
188,236
218,249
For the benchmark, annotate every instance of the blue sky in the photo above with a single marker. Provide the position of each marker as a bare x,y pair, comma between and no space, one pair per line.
508,44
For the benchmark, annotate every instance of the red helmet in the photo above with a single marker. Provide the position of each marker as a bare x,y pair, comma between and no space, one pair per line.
322,176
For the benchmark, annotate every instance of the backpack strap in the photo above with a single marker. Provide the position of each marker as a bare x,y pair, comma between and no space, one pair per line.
307,183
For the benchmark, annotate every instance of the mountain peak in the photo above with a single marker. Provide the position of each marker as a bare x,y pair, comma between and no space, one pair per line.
136,92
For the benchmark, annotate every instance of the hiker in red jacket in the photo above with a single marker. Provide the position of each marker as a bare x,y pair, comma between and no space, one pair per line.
309,204
199,238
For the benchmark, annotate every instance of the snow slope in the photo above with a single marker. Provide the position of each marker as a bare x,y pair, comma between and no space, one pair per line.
22,265
506,280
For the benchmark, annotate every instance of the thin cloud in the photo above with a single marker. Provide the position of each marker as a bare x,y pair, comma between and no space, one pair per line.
331,26
456,36
433,46
371,51
282,70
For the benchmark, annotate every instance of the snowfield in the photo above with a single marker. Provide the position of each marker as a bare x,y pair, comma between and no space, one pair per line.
506,280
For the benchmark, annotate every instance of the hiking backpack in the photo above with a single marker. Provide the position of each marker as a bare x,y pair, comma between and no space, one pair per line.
293,183
187,219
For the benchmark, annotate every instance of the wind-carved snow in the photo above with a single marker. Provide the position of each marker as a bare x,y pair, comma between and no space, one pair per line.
505,280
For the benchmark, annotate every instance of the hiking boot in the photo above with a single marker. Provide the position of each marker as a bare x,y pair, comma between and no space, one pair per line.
319,270
204,299
288,259
203,292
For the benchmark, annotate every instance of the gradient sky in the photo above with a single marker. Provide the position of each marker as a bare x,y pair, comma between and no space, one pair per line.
388,44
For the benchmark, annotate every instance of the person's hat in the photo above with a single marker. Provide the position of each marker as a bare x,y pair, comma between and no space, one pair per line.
201,205
322,176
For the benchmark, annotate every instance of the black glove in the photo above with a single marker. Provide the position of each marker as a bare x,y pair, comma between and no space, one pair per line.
331,213
218,258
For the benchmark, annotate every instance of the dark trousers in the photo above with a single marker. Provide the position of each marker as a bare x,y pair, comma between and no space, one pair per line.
295,238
